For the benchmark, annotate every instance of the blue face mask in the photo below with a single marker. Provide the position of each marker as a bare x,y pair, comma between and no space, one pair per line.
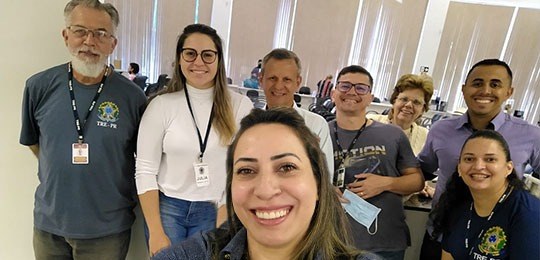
361,211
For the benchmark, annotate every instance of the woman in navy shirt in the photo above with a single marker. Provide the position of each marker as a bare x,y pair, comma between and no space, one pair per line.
485,213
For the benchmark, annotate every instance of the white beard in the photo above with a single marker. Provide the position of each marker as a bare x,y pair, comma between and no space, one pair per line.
88,69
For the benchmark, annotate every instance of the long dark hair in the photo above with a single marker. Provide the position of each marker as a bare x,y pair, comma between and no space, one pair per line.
328,231
457,192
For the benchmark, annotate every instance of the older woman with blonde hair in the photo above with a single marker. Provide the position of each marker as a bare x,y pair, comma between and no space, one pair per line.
410,100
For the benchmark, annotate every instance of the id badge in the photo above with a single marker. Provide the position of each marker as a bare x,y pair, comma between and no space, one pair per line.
79,153
340,177
202,174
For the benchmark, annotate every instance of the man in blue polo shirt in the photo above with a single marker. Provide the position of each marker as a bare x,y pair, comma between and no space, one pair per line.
487,86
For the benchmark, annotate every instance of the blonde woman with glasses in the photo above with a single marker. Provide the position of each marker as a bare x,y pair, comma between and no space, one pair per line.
410,100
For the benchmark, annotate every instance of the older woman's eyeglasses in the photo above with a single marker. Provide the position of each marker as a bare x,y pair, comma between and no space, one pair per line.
82,32
405,100
361,89
207,56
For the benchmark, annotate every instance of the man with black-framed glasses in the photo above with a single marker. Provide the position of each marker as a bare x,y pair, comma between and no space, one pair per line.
81,119
374,167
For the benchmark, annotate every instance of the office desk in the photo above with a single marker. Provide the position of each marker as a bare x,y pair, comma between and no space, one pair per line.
416,213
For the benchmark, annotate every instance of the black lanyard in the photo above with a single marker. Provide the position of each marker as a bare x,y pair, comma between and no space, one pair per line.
202,145
505,195
78,124
340,149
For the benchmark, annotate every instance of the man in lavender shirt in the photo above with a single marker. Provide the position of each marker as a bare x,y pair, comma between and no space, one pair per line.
487,86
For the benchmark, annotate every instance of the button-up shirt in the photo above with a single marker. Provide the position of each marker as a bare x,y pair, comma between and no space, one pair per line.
446,137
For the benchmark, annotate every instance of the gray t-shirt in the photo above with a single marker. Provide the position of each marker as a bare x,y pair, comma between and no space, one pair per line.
384,150
83,201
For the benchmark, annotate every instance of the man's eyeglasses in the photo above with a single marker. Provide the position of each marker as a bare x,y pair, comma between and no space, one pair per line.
361,89
415,102
207,56
82,32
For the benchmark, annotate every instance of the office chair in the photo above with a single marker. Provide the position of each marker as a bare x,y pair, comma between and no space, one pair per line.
253,95
154,88
304,90
140,81
297,99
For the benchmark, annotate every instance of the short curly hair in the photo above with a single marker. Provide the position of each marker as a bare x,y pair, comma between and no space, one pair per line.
413,81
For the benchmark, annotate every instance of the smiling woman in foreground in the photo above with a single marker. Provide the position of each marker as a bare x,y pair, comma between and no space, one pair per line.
279,198
485,213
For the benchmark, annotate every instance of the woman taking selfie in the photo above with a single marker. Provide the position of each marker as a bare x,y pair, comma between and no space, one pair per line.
280,202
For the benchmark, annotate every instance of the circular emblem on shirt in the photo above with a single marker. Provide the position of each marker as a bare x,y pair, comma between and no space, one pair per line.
493,241
108,112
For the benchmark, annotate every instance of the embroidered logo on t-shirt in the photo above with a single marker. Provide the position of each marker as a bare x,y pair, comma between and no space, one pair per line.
493,241
108,112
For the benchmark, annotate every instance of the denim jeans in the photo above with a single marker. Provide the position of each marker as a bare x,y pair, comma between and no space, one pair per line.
48,246
182,218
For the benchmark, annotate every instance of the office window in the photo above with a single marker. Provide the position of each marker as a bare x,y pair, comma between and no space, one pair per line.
321,37
149,29
387,39
523,55
474,32
251,35
471,33
328,35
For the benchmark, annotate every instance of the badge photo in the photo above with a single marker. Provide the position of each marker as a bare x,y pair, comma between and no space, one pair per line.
80,154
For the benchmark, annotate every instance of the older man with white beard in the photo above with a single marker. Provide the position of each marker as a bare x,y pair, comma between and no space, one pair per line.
80,119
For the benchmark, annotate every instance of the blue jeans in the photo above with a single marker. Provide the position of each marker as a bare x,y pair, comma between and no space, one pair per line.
182,218
391,255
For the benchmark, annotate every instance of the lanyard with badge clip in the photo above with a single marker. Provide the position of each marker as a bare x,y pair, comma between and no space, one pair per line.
80,149
507,192
341,170
202,176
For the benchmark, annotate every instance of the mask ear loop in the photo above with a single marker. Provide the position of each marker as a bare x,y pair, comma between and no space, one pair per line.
376,227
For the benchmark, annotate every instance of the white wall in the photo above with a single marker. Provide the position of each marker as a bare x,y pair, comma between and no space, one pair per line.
30,42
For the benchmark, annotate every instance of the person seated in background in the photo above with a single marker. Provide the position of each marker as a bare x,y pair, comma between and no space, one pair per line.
410,100
253,80
281,204
256,70
485,213
324,87
251,83
133,71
